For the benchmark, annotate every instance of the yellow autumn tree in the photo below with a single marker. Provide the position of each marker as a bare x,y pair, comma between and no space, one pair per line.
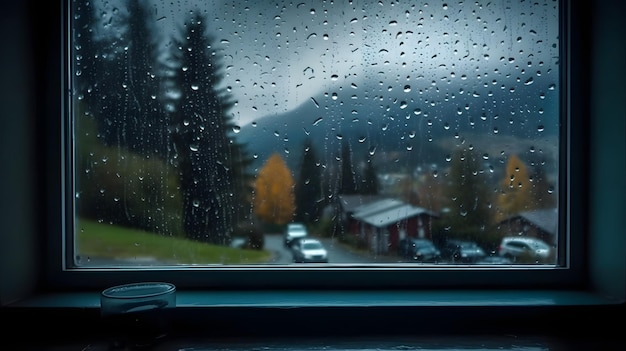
515,193
274,200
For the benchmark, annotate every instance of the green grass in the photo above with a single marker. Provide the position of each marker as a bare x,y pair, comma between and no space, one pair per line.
109,241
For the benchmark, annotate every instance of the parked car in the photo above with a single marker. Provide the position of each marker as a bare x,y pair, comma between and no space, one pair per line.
294,231
308,250
465,251
524,249
422,250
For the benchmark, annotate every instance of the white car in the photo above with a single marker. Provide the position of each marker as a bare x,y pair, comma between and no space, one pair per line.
520,247
293,232
309,250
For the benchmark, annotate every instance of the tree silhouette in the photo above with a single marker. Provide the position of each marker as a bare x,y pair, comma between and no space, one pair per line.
347,174
144,125
369,185
210,163
117,81
543,194
85,53
274,200
468,197
99,56
308,189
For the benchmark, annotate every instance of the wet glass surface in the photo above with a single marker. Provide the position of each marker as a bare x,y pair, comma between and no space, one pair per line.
203,127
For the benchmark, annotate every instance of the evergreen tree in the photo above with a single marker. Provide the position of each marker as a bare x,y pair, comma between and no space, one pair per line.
210,163
347,174
543,195
85,53
468,196
129,82
243,181
308,189
369,185
98,54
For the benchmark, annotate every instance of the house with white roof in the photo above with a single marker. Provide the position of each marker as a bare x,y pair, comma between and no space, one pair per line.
381,223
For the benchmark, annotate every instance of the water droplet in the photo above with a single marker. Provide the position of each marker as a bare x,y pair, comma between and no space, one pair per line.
315,102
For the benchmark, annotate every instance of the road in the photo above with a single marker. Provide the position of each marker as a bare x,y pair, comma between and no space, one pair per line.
337,253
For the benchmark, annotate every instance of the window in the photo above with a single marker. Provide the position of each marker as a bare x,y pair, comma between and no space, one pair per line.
196,131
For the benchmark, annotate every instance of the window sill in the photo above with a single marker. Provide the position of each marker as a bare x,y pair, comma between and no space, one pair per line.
202,316
200,299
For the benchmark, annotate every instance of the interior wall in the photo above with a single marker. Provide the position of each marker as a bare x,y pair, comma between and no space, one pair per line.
608,159
18,248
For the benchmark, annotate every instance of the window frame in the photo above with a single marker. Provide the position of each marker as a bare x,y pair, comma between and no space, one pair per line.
573,209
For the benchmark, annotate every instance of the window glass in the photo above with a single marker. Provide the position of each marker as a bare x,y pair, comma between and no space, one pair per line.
201,129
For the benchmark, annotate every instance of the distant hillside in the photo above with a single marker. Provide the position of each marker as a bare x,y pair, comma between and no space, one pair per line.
401,134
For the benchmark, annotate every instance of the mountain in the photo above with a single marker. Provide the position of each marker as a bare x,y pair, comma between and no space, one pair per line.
406,130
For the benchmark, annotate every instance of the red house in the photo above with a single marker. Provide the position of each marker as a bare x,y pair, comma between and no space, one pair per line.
541,224
382,223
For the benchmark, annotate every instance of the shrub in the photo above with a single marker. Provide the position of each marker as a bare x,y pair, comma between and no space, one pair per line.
252,234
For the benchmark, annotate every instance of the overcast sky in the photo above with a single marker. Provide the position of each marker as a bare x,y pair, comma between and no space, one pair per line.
281,54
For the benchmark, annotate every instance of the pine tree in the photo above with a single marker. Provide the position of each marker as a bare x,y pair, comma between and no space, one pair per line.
468,196
274,200
308,190
85,53
543,194
211,165
369,185
98,55
347,174
144,127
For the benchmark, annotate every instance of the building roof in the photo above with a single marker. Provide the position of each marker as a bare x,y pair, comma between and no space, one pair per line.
387,211
377,206
544,219
350,202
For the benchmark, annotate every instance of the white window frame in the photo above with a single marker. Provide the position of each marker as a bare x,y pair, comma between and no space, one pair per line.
572,210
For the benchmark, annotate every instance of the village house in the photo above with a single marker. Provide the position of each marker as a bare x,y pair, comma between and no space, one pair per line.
541,224
382,222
